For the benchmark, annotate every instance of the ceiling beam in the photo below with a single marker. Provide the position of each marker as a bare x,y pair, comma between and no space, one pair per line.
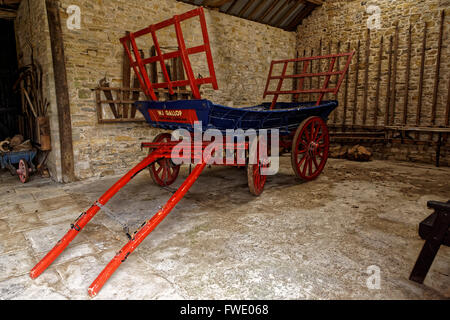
305,12
245,8
268,10
280,9
9,2
7,14
288,12
232,6
317,2
215,3
254,11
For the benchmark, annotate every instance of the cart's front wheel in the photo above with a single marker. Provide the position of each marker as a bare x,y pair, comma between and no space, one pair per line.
163,172
23,171
310,148
256,180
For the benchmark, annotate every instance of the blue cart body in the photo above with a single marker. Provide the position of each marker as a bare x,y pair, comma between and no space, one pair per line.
9,158
286,116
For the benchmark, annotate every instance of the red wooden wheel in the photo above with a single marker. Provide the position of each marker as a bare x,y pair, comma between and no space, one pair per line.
256,180
23,171
163,172
310,148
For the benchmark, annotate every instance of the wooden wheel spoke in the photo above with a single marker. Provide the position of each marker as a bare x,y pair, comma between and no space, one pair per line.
301,160
305,166
315,162
310,163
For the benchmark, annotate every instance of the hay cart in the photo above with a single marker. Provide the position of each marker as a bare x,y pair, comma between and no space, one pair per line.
23,160
302,128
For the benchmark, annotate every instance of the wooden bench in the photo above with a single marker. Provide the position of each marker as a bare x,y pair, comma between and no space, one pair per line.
435,231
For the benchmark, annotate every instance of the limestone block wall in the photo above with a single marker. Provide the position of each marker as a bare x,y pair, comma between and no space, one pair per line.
346,21
32,35
242,51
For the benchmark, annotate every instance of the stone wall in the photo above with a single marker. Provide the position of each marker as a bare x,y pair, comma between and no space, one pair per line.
32,35
345,21
242,51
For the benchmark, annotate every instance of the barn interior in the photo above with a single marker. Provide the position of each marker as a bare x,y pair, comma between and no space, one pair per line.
371,221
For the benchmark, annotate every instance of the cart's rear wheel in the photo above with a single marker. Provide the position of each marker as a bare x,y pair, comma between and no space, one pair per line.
23,171
256,180
310,148
163,172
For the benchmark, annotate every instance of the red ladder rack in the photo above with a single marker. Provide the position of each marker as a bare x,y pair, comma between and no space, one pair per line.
138,64
305,74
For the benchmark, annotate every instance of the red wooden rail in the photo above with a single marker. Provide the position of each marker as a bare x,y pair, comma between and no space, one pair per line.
305,74
138,64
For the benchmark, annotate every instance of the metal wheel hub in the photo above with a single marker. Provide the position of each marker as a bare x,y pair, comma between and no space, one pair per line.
313,147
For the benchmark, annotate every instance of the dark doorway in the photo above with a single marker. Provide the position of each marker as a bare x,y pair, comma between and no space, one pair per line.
9,100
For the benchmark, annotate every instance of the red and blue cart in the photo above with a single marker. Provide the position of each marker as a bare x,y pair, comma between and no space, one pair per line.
302,128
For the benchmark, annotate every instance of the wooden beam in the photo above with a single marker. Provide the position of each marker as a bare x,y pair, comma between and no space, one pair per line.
407,74
62,90
288,12
447,108
388,87
355,93
344,114
316,2
366,78
377,92
338,50
126,77
302,15
232,6
280,9
268,10
9,2
256,9
215,3
437,71
7,13
245,8
394,75
421,75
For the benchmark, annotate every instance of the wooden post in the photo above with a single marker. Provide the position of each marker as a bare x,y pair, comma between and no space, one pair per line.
319,64
344,112
126,78
436,73
366,77
388,89
394,76
62,90
408,67
336,79
377,93
153,69
310,78
421,76
355,93
98,105
447,109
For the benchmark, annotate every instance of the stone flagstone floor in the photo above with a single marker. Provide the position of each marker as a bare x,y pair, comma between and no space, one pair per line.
297,241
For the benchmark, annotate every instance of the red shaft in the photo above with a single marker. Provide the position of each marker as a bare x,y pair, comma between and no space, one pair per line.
144,231
84,218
